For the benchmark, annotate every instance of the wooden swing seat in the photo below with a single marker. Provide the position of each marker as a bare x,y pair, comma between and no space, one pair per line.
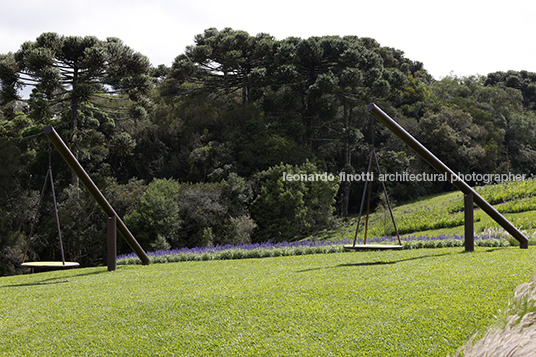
50,264
372,247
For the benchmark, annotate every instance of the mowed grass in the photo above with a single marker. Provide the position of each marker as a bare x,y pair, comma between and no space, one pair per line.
424,302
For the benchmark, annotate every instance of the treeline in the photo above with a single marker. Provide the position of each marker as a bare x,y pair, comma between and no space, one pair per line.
195,154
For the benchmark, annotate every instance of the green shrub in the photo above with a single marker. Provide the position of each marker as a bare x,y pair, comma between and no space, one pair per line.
157,213
286,210
215,213
173,215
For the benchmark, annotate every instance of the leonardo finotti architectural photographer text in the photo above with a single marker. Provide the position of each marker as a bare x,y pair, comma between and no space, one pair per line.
405,177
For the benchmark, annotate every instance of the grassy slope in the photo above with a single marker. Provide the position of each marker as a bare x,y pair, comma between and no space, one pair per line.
483,221
397,303
522,220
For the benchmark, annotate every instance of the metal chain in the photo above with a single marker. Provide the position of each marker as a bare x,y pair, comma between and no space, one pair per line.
49,155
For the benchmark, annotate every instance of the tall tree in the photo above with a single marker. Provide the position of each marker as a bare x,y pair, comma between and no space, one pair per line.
75,77
222,61
522,80
84,87
498,109
336,77
453,136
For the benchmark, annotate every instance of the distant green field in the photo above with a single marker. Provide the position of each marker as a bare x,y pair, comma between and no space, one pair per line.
424,302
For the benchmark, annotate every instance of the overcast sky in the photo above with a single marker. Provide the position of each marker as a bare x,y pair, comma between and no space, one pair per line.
462,37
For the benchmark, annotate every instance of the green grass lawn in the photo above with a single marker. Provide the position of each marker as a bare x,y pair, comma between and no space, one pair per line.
424,302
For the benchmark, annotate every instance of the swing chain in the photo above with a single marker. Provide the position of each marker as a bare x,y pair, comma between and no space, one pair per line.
49,155
49,174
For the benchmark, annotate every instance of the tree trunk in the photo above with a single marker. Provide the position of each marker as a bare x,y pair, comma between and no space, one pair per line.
74,126
245,91
347,157
244,72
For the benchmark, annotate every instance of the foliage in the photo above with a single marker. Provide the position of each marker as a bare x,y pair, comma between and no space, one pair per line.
11,247
426,218
523,81
452,134
237,251
83,225
74,69
513,196
413,218
202,214
222,61
287,209
504,122
190,215
521,205
125,198
157,213
83,86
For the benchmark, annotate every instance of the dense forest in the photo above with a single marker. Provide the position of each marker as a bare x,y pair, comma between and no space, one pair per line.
195,154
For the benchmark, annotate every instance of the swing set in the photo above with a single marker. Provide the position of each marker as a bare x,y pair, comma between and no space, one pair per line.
470,195
47,264
367,192
114,222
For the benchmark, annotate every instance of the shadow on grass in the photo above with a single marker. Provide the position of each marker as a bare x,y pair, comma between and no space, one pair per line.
44,282
55,280
381,262
364,264
394,261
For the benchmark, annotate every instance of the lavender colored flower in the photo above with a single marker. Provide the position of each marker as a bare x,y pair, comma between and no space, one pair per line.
269,245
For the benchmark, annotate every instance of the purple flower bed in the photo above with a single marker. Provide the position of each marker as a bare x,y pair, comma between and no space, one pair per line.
408,240
427,238
252,246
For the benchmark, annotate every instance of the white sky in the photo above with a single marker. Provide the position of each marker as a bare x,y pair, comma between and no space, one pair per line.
459,37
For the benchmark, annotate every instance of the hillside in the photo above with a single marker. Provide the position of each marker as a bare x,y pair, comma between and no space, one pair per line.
431,222
442,214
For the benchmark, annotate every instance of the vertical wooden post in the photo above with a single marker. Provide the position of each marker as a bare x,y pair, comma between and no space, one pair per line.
112,243
469,223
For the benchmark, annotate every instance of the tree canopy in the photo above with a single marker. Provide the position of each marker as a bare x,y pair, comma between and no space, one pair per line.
88,83
74,70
